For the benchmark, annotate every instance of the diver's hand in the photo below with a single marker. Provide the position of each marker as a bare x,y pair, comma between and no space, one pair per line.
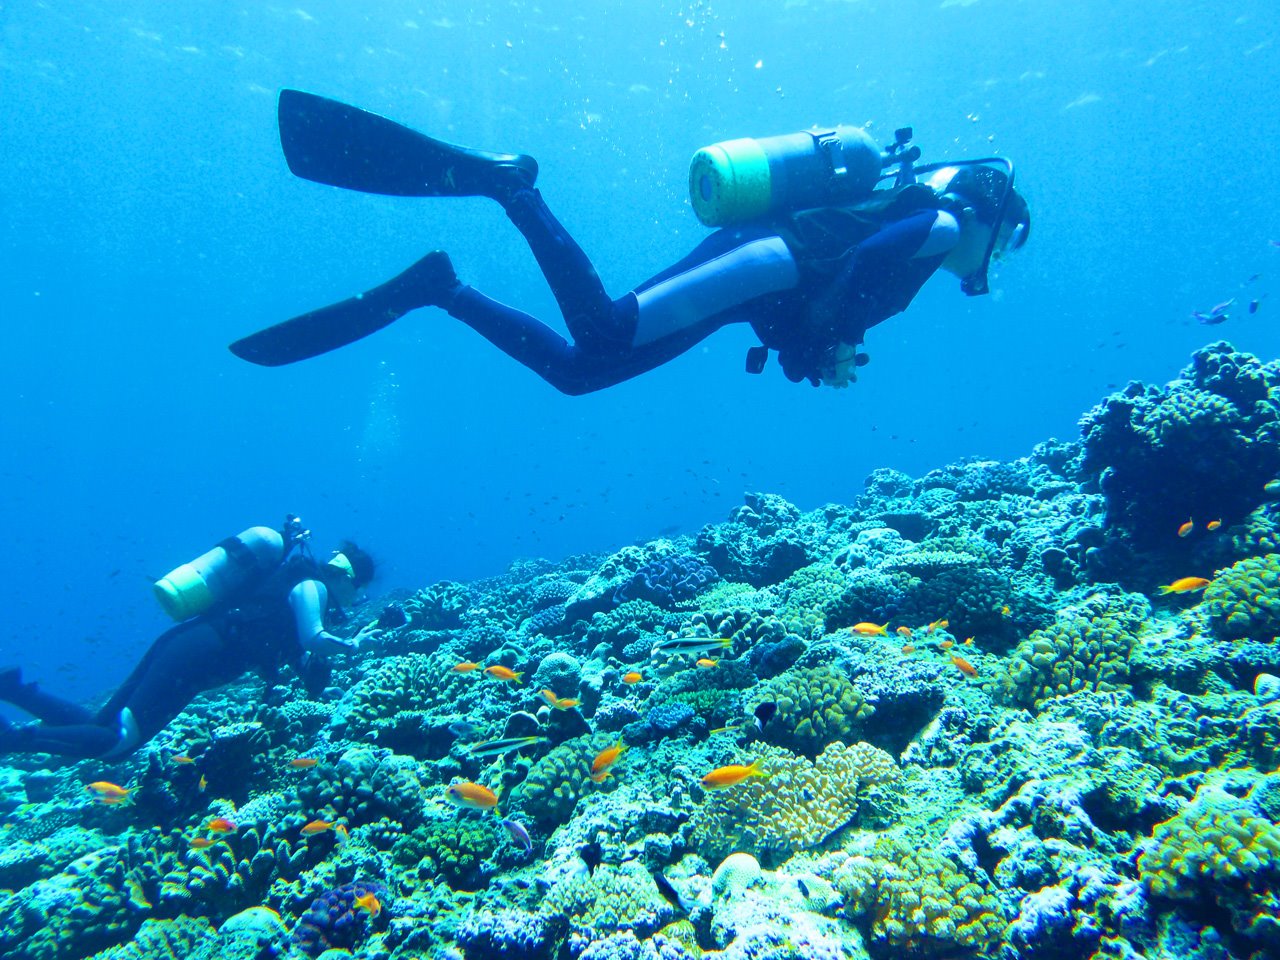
370,631
325,644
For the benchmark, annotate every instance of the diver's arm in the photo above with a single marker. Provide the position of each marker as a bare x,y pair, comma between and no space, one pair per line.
309,600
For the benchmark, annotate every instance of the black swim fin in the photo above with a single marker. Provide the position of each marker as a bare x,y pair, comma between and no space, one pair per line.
429,282
343,146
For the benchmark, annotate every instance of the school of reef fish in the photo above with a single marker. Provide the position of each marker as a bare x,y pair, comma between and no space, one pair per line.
1023,709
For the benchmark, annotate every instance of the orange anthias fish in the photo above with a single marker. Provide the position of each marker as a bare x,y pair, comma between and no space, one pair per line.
605,759
220,825
109,791
1185,528
369,903
937,625
316,826
466,666
560,703
632,677
946,644
204,782
964,666
1005,611
904,632
871,629
1185,585
729,776
201,843
302,763
181,758
505,674
908,648
706,663
473,795
1213,525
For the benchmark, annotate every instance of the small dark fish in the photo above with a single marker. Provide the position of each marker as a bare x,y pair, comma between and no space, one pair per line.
764,713
591,855
519,835
804,889
1253,305
670,893
1216,314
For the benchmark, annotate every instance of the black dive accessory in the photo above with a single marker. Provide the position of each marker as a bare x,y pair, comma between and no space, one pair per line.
975,284
295,535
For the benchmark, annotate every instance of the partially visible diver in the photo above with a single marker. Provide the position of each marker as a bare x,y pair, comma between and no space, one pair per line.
809,252
256,601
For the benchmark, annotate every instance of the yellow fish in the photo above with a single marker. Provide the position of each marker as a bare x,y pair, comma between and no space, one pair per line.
870,629
473,795
1185,585
1185,528
937,625
632,677
369,903
316,826
105,789
466,666
1213,525
605,759
505,674
722,777
706,663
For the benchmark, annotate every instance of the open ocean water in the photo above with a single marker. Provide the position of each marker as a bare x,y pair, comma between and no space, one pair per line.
1095,777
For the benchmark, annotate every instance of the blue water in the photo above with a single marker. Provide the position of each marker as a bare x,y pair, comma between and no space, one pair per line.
149,219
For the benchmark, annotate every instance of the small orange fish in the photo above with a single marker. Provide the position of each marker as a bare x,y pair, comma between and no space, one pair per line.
220,825
316,826
204,783
201,843
706,663
466,666
1213,525
908,648
1005,611
104,788
505,674
734,773
904,632
550,697
964,666
946,644
369,903
1185,585
1185,528
473,795
866,629
181,758
632,677
302,763
967,641
112,801
937,625
606,758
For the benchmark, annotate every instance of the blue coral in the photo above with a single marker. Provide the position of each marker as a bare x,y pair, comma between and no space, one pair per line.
667,582
334,921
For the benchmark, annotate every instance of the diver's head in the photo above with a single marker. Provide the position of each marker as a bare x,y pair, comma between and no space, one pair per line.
347,571
975,194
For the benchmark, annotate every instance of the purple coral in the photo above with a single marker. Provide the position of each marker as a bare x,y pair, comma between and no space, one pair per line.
667,582
335,921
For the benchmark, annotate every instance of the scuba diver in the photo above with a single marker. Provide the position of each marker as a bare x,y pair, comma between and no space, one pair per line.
809,251
255,601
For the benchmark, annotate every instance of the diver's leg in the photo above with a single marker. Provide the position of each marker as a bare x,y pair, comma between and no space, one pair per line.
570,368
81,740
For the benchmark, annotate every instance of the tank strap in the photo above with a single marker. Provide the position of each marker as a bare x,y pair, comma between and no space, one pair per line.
240,554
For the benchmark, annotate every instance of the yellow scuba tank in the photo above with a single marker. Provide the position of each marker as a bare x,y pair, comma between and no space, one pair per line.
195,587
739,180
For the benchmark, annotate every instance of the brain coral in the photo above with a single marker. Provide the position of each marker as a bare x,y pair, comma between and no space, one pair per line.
797,806
815,707
1244,600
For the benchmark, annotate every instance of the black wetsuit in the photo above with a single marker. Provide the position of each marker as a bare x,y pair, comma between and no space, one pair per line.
258,633
850,269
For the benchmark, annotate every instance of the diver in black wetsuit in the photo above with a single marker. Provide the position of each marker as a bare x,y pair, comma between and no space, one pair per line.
275,615
811,277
